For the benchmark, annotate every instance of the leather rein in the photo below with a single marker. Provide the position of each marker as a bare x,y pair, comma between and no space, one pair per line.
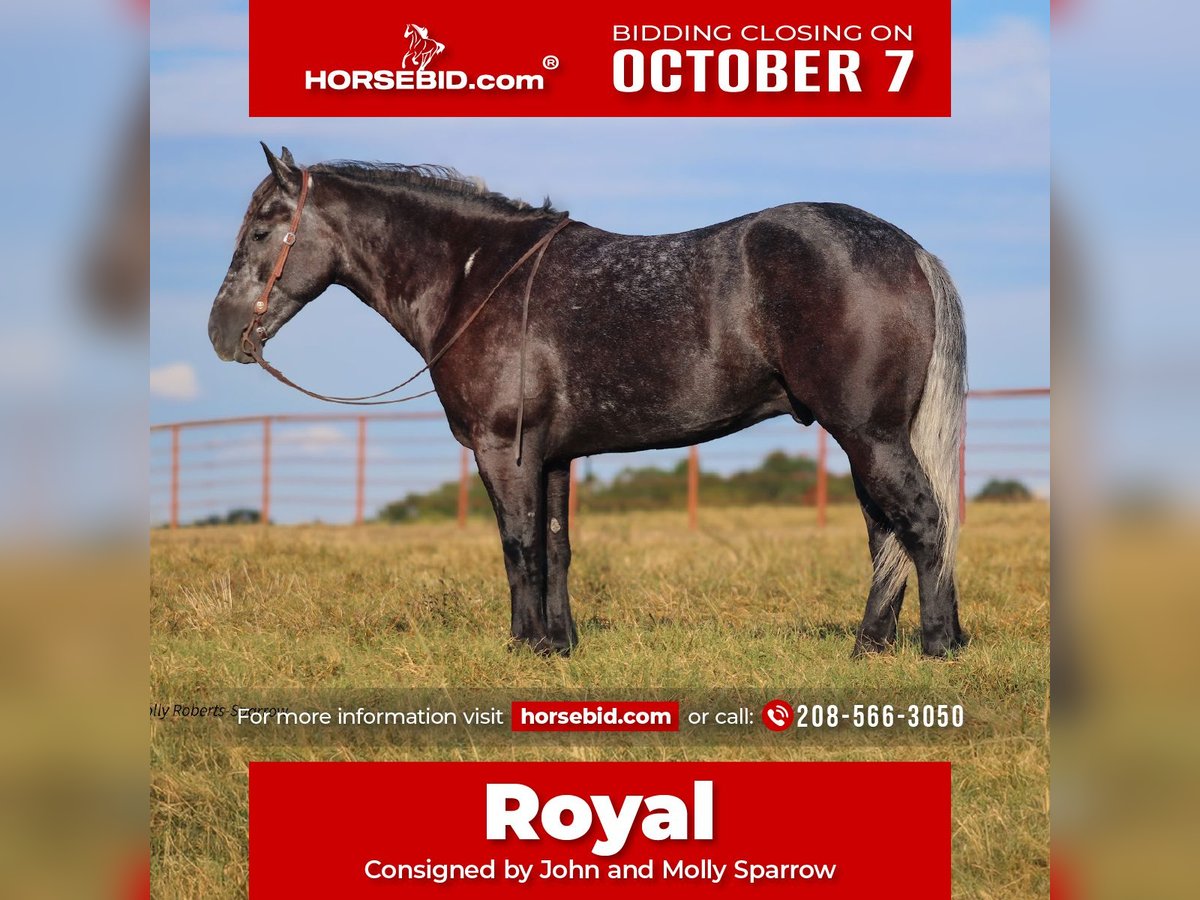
254,332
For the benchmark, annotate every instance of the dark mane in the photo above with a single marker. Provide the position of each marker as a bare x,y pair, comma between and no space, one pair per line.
435,179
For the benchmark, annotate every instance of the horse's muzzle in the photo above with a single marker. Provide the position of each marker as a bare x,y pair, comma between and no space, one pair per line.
227,343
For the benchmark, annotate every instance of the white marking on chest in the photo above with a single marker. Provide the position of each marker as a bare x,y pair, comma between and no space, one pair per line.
470,262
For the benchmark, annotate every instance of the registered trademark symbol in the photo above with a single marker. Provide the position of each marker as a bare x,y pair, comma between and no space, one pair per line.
550,62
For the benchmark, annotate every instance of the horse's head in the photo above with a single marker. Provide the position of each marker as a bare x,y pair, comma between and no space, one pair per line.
410,30
310,268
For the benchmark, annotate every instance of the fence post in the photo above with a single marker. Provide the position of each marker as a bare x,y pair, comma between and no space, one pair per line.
174,476
693,488
360,475
962,470
822,474
463,486
265,513
572,499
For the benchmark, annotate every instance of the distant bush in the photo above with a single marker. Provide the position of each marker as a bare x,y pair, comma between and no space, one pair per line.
1004,491
233,517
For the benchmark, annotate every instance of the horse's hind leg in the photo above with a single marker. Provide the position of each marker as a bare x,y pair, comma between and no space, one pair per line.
878,629
518,494
560,627
895,482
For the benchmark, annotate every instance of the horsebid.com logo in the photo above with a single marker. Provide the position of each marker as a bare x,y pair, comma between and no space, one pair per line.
421,47
413,74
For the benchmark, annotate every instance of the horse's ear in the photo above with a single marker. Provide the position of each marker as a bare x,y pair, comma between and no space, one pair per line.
287,157
283,169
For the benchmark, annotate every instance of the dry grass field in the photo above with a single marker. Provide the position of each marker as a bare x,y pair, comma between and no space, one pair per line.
758,603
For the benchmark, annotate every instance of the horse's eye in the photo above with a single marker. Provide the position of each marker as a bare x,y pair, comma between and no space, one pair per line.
259,235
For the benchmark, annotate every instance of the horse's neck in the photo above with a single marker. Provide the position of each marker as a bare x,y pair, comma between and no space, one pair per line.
408,272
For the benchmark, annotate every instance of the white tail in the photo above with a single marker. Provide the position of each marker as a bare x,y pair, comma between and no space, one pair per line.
937,430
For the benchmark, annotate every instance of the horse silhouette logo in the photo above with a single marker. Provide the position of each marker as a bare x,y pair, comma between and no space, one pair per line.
421,47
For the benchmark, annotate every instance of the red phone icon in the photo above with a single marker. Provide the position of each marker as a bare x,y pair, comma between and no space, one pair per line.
777,715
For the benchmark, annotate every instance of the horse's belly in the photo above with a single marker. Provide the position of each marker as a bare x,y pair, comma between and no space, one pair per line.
667,419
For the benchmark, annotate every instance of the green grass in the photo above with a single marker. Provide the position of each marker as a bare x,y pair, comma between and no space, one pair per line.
758,602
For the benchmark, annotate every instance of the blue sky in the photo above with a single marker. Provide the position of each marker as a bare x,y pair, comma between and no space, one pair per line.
973,188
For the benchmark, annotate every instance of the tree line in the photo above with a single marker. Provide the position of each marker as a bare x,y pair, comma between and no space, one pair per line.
779,479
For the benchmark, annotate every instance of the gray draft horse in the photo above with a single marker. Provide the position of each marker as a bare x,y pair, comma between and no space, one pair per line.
816,310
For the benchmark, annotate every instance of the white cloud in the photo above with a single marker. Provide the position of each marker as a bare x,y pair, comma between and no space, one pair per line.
314,439
174,381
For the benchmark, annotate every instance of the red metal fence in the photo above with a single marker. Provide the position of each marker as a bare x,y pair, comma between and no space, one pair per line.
342,467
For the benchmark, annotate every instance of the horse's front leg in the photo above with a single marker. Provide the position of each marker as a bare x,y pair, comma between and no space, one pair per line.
559,625
518,494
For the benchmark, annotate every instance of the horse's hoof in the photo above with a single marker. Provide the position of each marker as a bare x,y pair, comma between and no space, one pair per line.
541,645
864,645
564,644
537,644
945,648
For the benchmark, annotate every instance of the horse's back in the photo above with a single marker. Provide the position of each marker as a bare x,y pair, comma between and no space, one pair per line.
836,232
826,296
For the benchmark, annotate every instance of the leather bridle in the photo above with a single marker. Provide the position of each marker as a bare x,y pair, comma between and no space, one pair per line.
254,333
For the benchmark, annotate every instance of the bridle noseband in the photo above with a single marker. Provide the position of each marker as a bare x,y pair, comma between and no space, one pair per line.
254,333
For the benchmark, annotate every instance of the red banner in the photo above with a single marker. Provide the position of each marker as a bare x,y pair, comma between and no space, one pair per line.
543,829
542,58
